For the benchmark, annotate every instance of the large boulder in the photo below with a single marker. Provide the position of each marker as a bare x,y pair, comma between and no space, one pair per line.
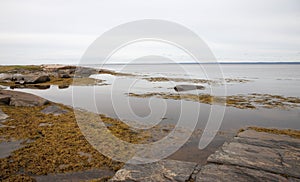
31,79
37,79
22,99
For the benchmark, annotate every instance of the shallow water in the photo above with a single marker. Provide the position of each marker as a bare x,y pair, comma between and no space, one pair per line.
112,99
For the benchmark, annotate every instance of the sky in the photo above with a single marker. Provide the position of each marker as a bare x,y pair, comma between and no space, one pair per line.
53,31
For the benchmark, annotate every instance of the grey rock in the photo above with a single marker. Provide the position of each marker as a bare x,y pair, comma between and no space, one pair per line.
55,110
3,116
181,88
23,99
251,156
4,99
4,77
65,76
85,72
39,87
25,79
164,170
63,86
7,147
215,172
279,154
37,79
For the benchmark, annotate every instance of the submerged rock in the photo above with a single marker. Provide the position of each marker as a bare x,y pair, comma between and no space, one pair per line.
180,88
55,110
22,99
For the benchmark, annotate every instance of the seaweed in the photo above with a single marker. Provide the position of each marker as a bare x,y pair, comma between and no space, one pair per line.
55,148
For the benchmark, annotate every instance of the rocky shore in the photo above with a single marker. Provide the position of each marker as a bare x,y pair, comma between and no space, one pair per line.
46,75
253,155
41,140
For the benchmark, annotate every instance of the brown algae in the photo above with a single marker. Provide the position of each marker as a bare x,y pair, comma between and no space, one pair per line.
288,132
250,101
54,148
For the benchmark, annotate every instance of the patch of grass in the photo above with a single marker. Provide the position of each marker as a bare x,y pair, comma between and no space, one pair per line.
289,132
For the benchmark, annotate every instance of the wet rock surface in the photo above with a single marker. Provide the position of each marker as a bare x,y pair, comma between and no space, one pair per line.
164,170
255,156
15,98
250,156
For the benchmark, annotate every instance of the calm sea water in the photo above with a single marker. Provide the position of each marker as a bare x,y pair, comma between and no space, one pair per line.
112,99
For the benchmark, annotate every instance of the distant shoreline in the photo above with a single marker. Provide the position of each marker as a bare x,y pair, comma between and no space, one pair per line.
190,63
205,63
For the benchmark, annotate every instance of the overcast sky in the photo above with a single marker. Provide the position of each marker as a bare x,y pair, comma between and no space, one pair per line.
55,31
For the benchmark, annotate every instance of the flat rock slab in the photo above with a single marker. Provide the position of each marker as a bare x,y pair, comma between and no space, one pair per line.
164,170
255,156
23,99
55,110
7,147
213,172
